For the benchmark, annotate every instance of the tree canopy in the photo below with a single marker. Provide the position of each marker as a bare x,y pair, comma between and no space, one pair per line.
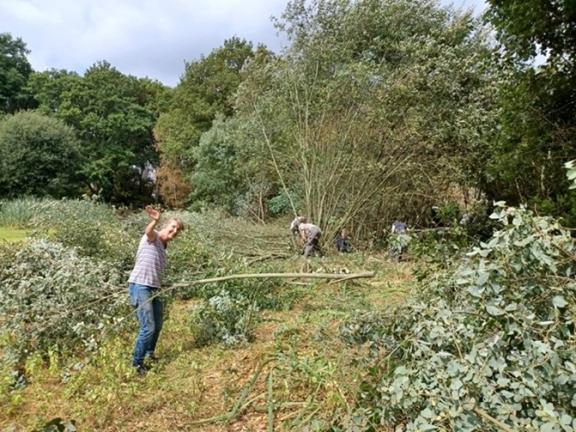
537,105
39,155
114,116
206,89
14,72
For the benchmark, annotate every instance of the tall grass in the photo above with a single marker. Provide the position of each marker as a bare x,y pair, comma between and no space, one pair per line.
46,212
18,212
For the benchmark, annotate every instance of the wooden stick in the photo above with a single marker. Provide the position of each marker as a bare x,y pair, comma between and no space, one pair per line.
337,276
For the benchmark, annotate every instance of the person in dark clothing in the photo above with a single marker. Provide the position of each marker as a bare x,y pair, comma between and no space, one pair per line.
343,241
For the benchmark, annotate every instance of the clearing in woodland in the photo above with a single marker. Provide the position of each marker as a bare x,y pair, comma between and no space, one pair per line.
290,368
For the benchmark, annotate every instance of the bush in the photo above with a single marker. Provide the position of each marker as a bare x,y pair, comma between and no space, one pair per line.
279,204
263,293
449,214
493,340
39,155
53,297
224,319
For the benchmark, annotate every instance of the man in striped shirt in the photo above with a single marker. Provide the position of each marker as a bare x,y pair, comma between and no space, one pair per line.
145,281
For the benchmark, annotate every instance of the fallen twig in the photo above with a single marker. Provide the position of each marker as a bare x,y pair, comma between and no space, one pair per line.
345,278
239,406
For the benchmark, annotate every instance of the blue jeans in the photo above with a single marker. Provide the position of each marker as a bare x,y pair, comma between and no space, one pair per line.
149,313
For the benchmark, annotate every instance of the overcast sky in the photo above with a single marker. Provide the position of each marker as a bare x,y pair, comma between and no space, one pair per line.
141,37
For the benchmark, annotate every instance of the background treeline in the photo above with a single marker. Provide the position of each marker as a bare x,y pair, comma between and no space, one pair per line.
375,110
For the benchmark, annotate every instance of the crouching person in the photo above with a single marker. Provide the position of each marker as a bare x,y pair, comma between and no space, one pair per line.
145,282
343,243
309,234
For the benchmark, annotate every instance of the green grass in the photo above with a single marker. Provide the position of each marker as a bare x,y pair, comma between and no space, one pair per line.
11,234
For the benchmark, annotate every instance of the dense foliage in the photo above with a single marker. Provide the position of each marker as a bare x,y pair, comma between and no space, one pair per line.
39,155
53,298
492,340
536,134
206,89
406,100
356,110
14,72
114,115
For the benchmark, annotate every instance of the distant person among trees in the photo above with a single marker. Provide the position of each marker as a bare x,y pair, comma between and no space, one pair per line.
399,227
145,282
343,243
309,234
400,239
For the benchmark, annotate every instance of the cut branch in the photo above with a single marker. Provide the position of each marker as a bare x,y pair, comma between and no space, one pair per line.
337,277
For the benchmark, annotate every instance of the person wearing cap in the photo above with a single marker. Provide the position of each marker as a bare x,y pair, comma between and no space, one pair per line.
309,233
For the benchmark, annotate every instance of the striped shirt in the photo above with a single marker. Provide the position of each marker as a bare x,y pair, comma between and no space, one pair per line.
150,263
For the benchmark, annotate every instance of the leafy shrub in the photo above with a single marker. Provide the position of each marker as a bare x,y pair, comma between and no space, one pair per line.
449,214
39,155
279,204
493,340
48,212
264,293
93,228
398,244
224,319
439,247
53,297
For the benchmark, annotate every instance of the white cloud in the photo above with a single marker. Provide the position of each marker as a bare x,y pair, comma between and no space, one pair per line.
141,37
